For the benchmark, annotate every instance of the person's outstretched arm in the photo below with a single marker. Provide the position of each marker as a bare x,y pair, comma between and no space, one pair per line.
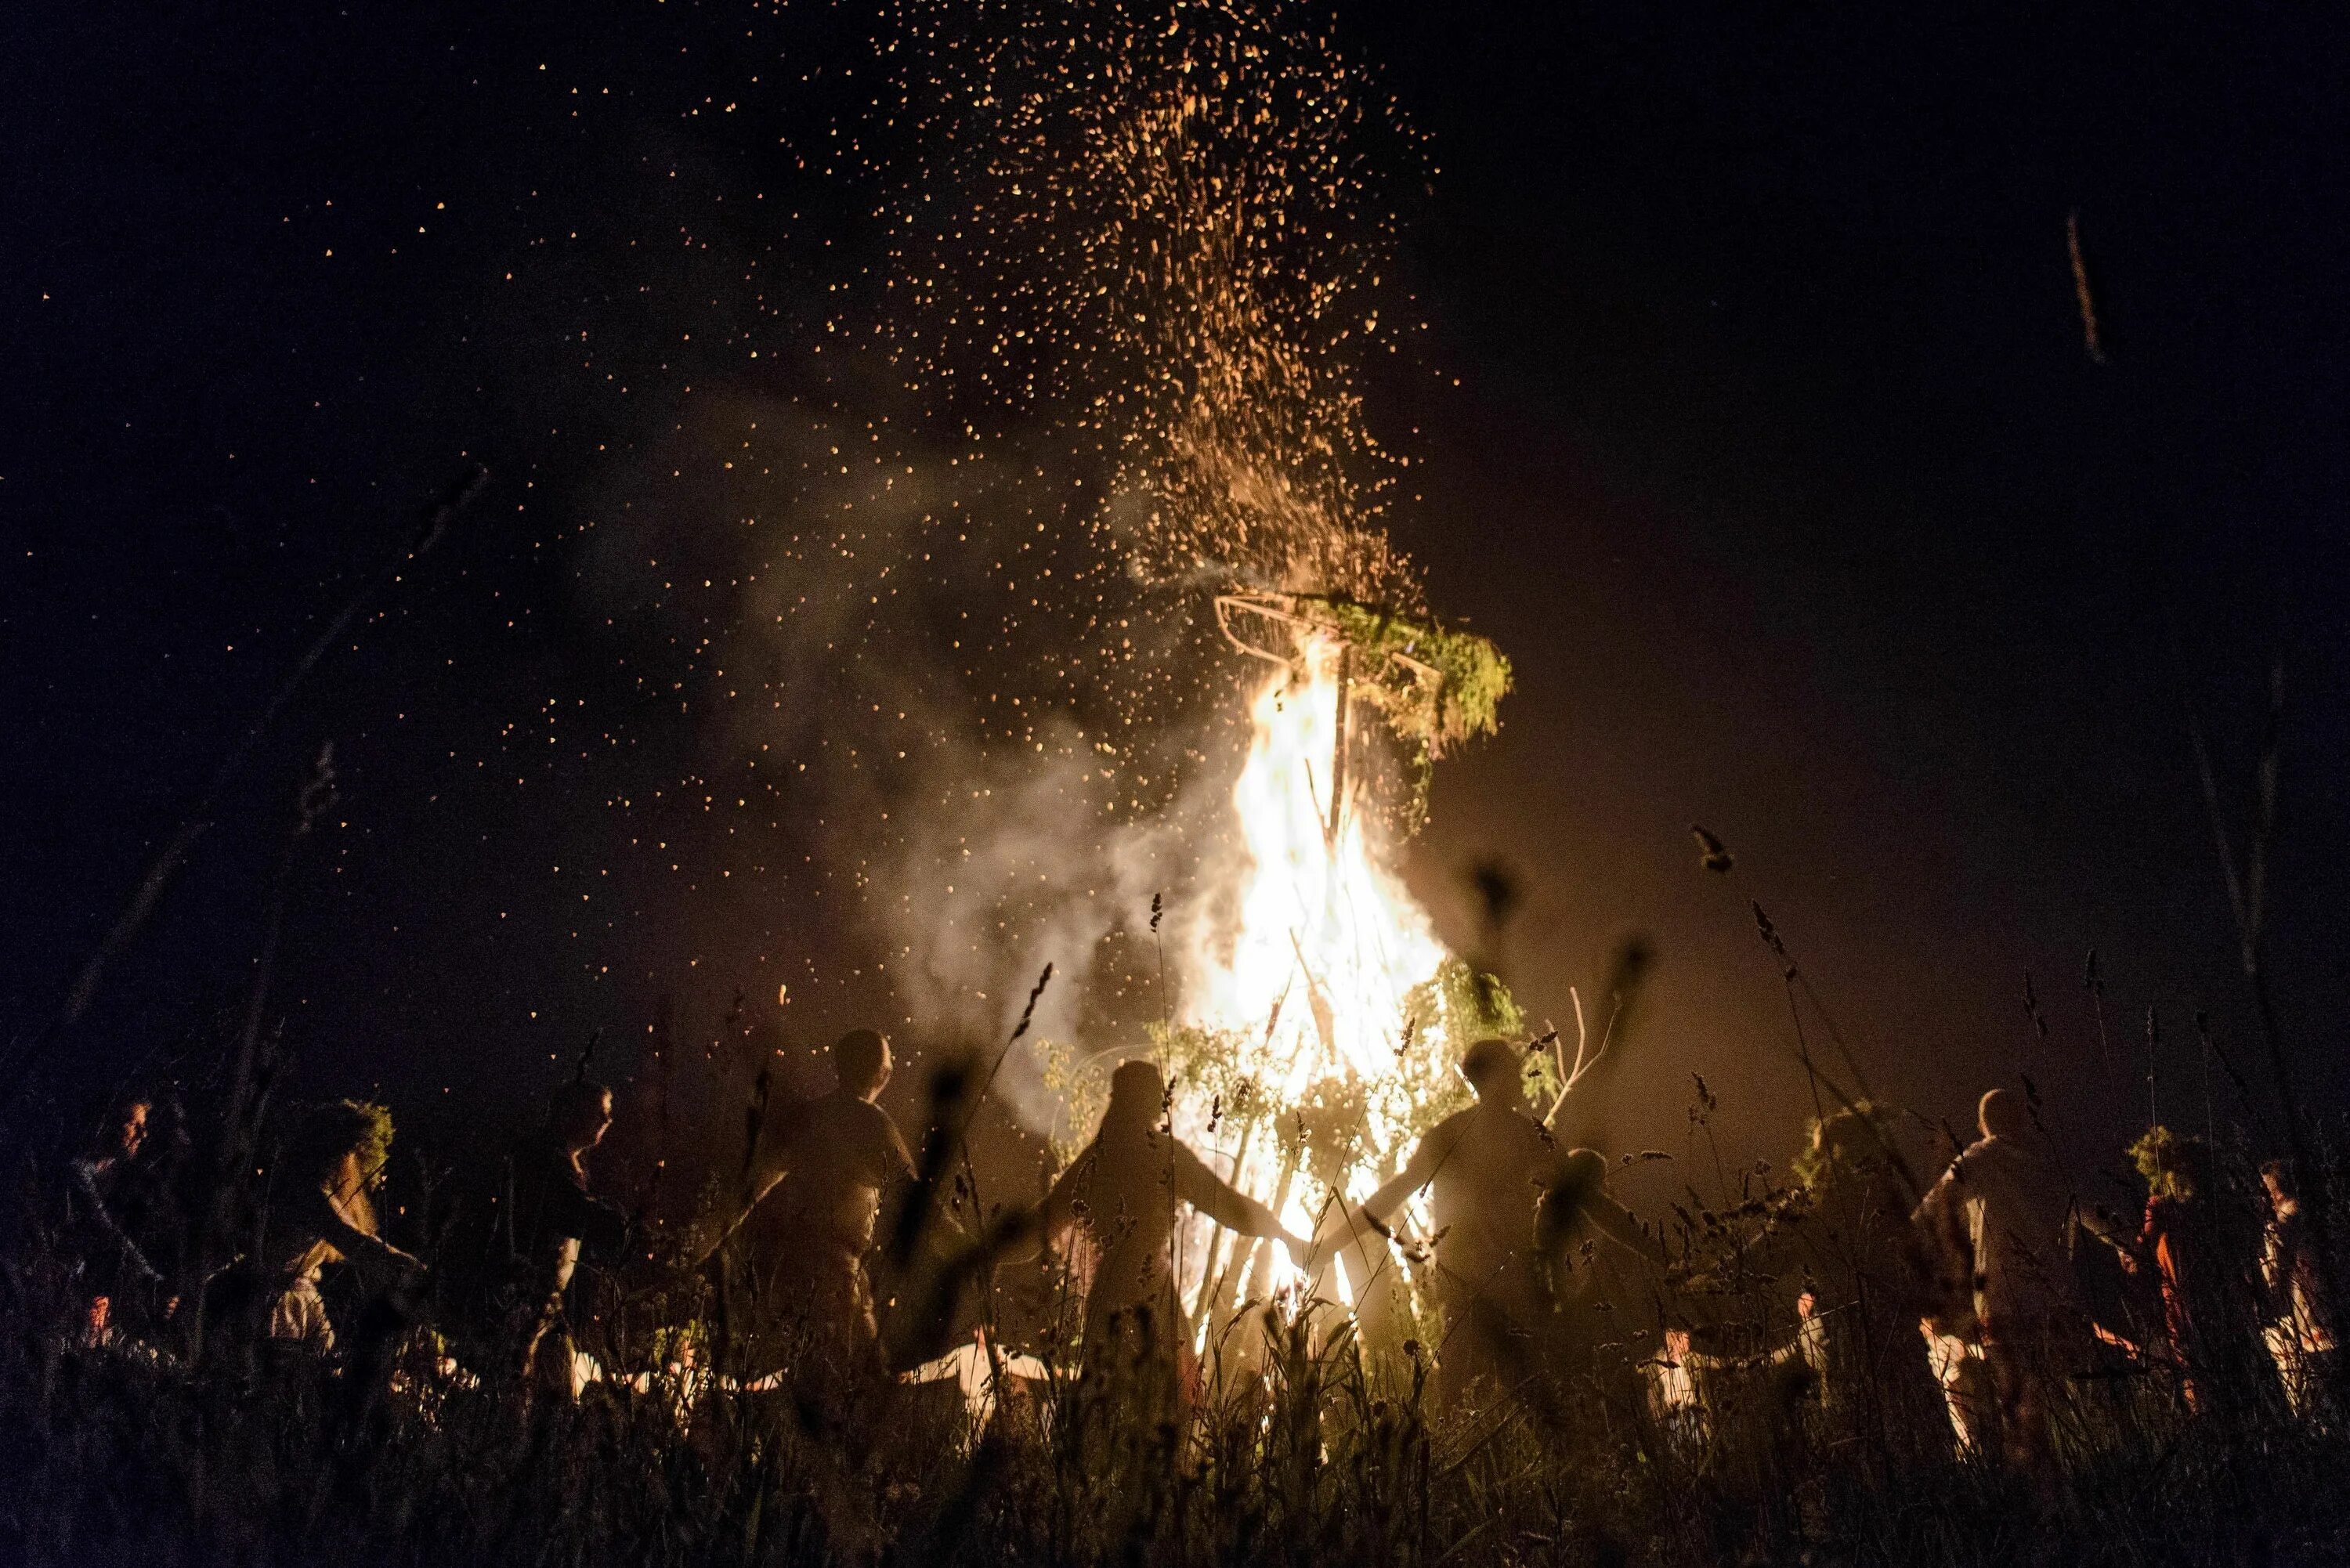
85,1178
1227,1205
765,1186
780,1153
1939,1230
1623,1227
898,1185
1418,1172
897,1159
2102,1224
370,1253
1058,1213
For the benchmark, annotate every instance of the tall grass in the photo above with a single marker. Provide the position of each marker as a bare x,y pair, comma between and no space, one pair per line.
1312,1449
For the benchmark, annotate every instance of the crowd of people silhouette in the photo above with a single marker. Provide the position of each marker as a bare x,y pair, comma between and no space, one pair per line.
1969,1311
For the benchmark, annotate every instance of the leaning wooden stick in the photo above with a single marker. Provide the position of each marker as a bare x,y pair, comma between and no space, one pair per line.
198,820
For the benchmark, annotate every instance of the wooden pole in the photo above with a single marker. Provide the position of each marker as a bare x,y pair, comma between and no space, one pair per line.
1338,750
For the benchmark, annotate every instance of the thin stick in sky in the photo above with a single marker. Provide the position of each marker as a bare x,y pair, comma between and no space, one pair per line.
2090,339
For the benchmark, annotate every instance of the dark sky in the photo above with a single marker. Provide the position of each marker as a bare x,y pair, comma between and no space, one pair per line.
1776,462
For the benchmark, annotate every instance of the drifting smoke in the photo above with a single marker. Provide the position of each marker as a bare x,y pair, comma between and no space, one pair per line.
965,787
960,546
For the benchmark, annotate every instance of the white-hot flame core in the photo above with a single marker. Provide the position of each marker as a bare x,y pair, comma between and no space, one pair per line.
1321,925
1328,947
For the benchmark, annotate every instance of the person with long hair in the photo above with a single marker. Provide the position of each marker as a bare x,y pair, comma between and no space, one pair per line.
2193,1242
1117,1199
1840,1237
321,1211
106,1196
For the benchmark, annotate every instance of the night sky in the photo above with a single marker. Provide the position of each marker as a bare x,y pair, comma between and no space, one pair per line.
1776,462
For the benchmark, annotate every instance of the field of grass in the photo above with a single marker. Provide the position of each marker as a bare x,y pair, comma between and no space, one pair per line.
138,1452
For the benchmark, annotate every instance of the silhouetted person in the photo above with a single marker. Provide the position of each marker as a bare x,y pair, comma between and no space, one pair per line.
1121,1194
1511,1210
1840,1236
2300,1328
552,1218
809,1229
1853,1239
320,1212
2193,1242
1572,1218
1998,1218
106,1197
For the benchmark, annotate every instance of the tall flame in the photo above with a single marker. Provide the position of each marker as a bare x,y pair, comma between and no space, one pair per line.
1314,979
1323,923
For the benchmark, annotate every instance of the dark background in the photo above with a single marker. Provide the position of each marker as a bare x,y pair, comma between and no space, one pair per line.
1776,462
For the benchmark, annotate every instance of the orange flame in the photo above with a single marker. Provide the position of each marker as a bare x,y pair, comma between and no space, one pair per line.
1316,973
